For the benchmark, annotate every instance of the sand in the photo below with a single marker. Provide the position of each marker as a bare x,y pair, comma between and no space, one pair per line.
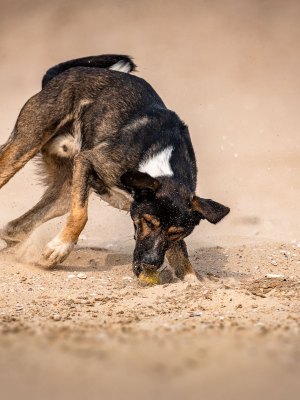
86,328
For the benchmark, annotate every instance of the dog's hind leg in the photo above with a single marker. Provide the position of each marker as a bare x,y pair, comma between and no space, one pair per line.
54,203
56,173
13,156
37,122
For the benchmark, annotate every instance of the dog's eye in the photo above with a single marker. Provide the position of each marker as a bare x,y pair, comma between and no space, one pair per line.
149,224
174,236
175,233
151,221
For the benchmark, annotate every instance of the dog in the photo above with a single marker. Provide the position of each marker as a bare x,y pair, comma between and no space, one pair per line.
95,127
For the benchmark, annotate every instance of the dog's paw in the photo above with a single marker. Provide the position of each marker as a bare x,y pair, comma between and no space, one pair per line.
191,279
167,276
57,251
9,239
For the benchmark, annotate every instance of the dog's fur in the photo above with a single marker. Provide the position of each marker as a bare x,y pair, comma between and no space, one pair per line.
96,127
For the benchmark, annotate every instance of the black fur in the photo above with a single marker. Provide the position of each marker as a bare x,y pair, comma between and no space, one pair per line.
102,61
122,122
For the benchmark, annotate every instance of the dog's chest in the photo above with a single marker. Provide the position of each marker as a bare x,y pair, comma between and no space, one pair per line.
117,198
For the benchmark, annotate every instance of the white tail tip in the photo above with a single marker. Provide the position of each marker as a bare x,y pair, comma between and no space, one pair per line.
121,66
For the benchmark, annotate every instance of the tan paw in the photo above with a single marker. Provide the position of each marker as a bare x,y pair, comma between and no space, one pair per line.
191,279
57,251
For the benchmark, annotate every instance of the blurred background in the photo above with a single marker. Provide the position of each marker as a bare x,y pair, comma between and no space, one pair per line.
230,69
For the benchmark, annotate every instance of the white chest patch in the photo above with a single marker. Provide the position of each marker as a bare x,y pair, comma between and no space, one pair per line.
159,164
118,198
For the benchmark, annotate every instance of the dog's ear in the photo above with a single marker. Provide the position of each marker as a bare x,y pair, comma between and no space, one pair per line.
139,182
209,209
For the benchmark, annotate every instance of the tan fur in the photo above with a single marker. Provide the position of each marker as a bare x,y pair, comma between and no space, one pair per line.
175,229
79,204
75,224
178,258
10,164
154,221
145,230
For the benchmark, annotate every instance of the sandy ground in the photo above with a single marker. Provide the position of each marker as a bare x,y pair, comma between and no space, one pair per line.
231,71
79,329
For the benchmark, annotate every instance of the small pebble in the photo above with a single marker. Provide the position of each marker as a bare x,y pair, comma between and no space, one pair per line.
71,276
274,276
196,314
127,278
81,276
56,317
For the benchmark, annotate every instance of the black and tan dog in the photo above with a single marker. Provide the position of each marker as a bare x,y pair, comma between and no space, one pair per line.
96,127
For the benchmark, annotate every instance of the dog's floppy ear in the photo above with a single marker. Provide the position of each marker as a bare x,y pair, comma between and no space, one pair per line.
139,182
209,209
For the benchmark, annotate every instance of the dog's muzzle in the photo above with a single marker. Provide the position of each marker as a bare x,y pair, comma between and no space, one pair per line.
146,268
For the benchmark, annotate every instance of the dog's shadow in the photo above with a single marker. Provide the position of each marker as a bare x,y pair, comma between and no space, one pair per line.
87,259
208,262
212,262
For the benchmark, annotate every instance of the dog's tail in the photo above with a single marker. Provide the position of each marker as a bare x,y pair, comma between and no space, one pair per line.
109,61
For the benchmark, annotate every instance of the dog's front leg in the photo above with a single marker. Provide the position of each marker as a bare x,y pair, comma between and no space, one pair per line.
178,258
60,247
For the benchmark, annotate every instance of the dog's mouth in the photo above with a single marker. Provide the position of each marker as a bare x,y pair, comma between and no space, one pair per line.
138,268
148,275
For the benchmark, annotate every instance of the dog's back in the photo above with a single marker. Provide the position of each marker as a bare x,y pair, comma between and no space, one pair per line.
125,114
103,103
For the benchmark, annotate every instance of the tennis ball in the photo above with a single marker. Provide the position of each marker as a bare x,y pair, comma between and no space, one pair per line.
149,278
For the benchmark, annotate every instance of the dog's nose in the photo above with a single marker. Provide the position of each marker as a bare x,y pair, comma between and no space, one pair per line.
151,260
137,269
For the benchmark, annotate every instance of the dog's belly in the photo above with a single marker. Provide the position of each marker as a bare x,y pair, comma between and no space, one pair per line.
118,198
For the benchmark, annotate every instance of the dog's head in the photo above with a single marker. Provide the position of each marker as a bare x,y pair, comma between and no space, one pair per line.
164,212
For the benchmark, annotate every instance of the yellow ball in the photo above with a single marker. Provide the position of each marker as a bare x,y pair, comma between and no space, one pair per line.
149,279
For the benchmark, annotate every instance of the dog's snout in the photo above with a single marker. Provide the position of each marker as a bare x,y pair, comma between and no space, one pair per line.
149,253
151,259
148,261
137,269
